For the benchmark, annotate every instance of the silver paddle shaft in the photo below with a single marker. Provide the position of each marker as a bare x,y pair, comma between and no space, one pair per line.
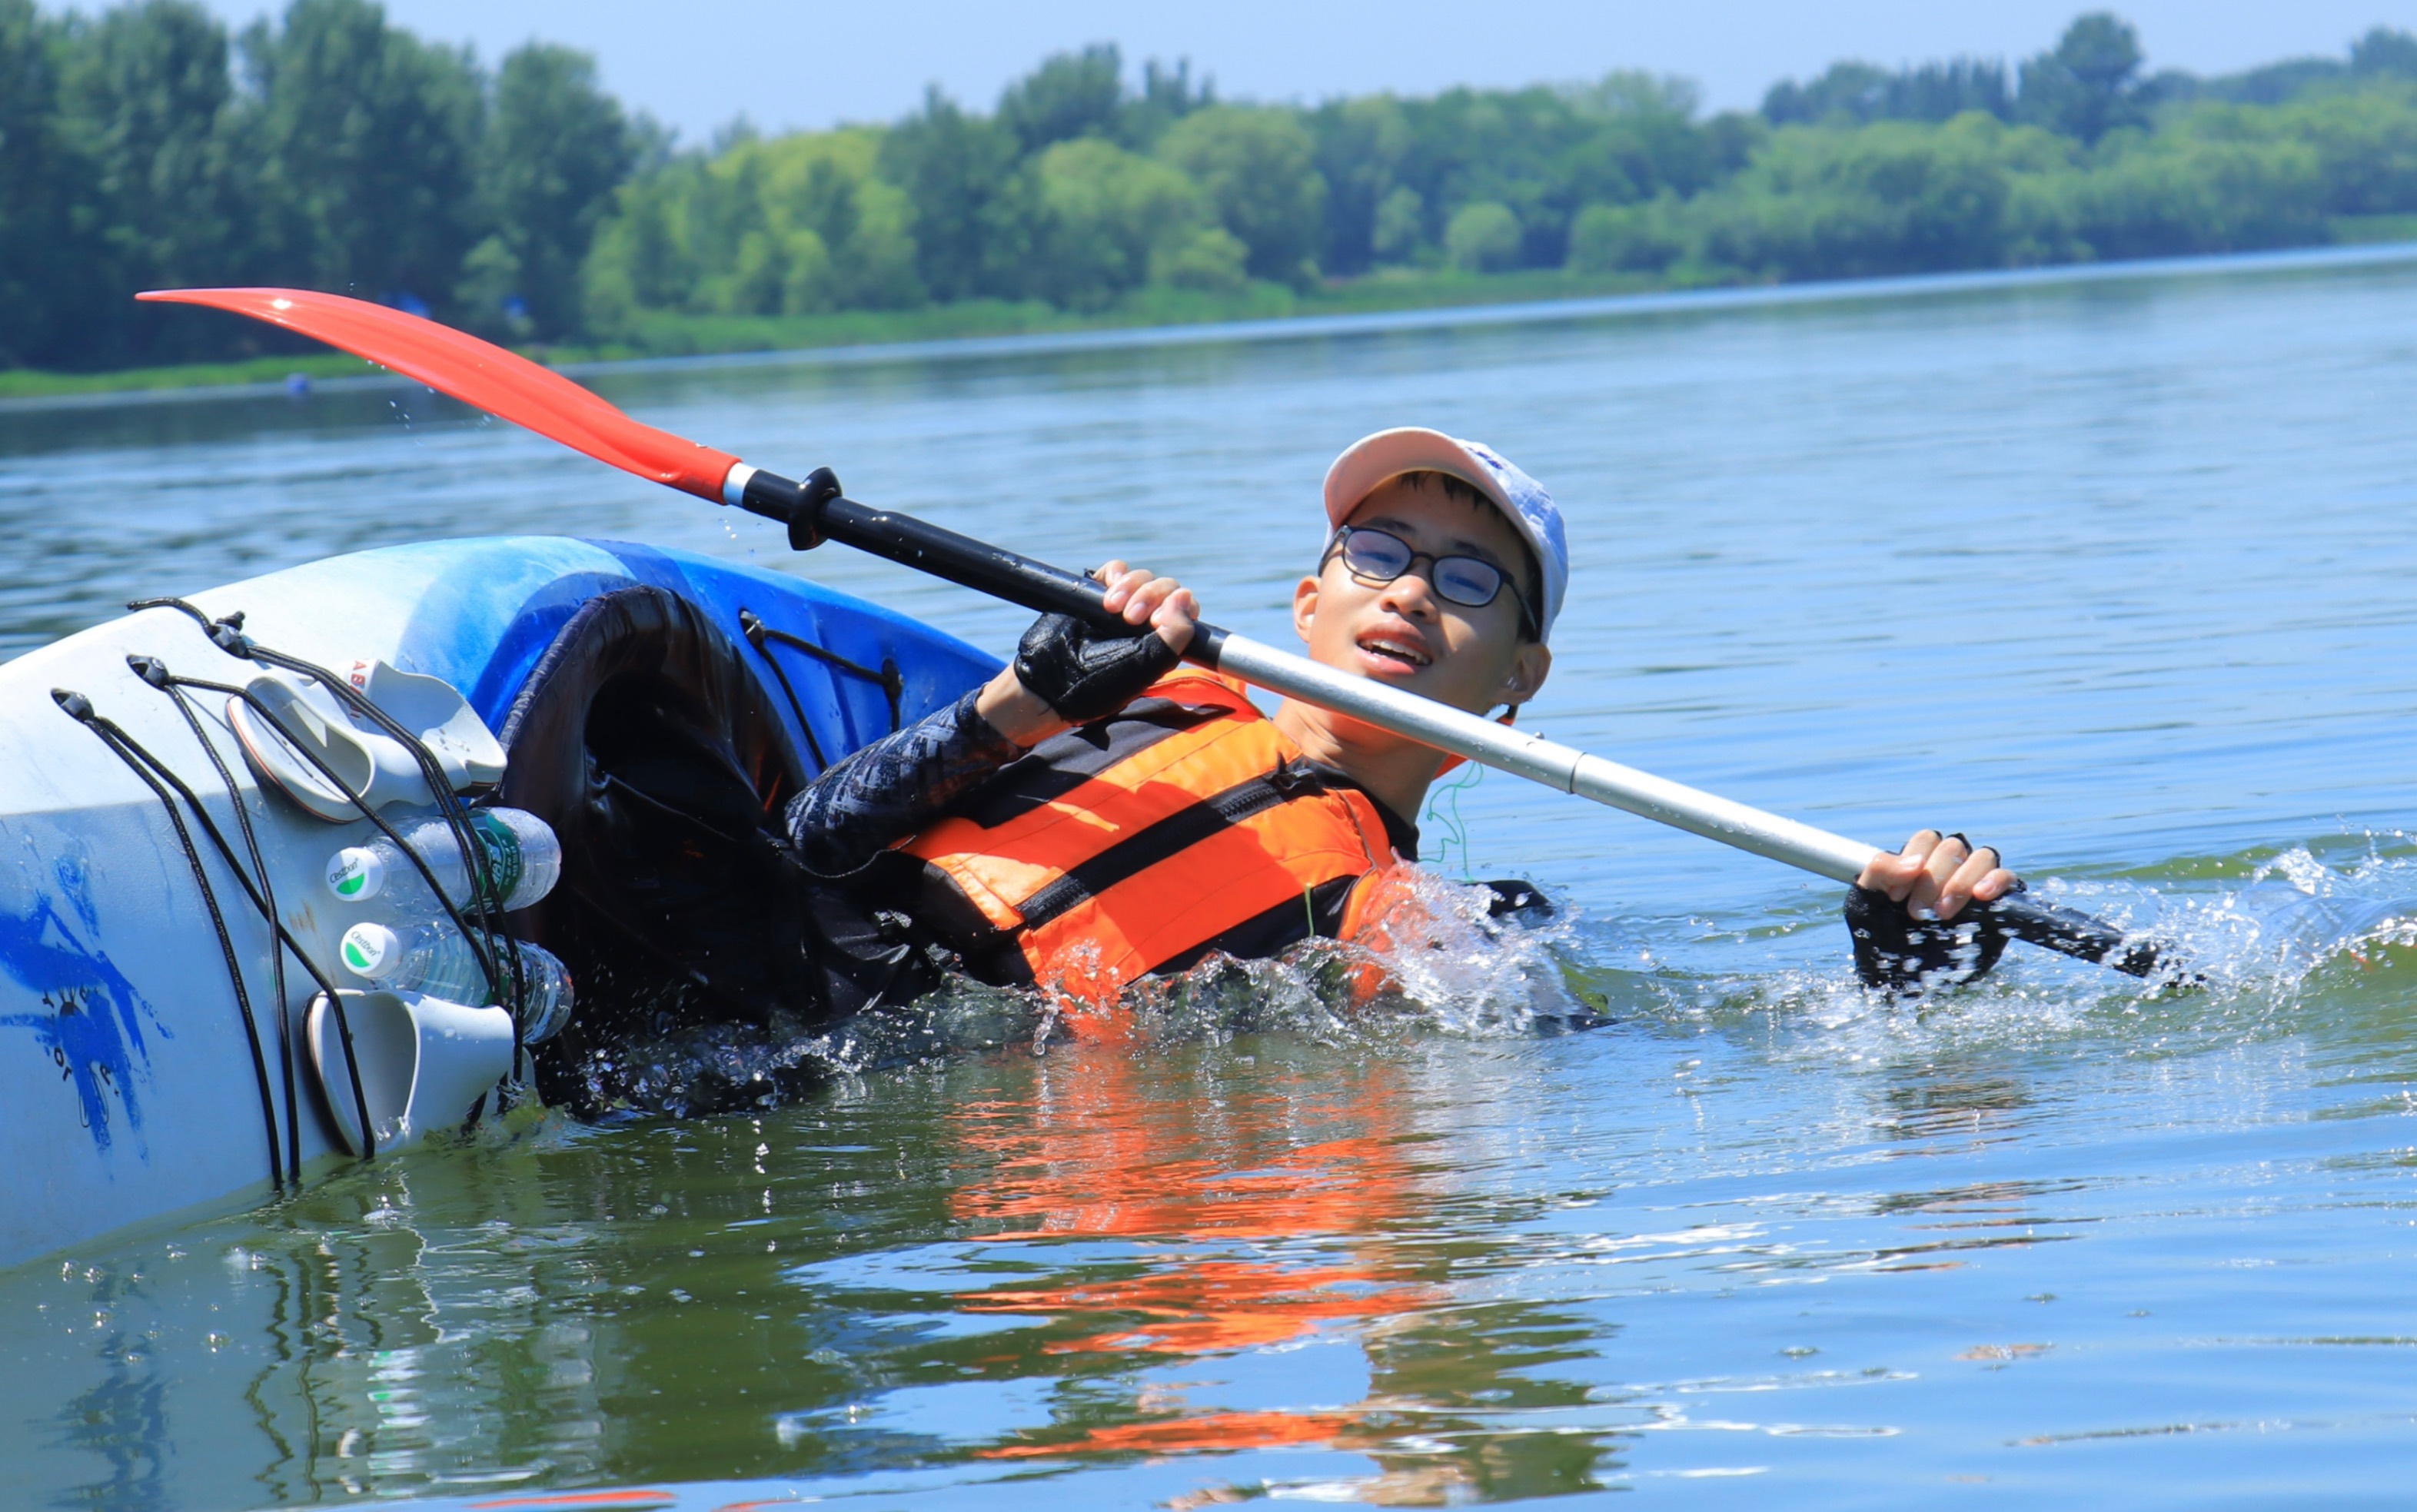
815,510
1539,760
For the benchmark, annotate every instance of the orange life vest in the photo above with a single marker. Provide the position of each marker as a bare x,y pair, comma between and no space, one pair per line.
1156,855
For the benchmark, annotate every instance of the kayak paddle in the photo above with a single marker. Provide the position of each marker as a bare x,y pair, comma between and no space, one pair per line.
501,383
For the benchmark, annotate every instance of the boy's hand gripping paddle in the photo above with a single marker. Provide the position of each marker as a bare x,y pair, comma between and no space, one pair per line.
489,378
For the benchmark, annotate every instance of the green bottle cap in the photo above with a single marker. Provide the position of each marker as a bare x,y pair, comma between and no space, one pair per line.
355,874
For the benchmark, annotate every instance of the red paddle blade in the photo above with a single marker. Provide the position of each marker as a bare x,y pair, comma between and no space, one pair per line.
481,374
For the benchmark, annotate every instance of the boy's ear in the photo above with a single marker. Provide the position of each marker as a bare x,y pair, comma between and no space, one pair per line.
1304,607
1528,670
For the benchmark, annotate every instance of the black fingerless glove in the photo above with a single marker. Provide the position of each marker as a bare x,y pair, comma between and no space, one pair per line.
1088,674
1900,953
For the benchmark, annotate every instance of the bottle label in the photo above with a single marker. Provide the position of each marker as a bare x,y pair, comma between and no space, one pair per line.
503,849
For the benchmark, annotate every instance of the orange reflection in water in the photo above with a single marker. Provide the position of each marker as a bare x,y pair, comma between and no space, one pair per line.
1113,1147
1192,1435
1202,1307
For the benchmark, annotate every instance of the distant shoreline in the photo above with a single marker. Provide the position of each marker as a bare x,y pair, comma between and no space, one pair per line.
988,328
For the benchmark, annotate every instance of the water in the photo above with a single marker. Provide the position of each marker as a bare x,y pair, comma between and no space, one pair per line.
2114,575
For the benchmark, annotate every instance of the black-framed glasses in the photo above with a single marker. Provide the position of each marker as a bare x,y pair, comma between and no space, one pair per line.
1471,582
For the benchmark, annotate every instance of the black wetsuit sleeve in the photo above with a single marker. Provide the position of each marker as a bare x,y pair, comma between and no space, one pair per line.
894,787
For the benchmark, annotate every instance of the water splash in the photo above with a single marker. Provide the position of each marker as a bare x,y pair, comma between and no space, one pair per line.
2279,938
1449,967
2263,945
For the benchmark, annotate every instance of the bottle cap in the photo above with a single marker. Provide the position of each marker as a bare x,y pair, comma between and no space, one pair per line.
355,874
371,950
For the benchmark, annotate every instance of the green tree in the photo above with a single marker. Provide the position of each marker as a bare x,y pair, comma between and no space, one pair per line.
972,212
1539,152
646,254
793,225
1645,125
2384,51
355,157
1628,238
2365,145
1258,169
1483,237
2087,85
144,100
1860,93
1362,149
1071,95
556,149
1110,219
1400,230
826,185
370,138
2191,193
2276,84
1167,96
1543,153
49,258
1848,91
1893,197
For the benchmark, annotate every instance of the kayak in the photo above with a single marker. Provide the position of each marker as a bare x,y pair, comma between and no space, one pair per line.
161,1057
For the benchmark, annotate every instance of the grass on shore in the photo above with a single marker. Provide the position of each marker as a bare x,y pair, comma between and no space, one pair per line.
658,333
2372,230
668,334
33,382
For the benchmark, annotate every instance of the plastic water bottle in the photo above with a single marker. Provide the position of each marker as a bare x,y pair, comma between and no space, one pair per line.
522,853
433,958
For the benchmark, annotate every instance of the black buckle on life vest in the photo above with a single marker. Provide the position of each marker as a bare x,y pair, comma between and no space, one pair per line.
1296,777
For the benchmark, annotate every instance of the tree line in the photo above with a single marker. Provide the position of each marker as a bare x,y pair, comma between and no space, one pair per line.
148,146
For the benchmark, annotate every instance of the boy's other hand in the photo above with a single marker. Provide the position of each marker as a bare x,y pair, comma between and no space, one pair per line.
1936,875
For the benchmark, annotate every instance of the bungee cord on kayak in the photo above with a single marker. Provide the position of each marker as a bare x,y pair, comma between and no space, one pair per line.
501,966
486,902
150,772
155,672
763,638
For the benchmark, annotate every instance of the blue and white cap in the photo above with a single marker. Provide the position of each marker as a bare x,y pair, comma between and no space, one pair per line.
1374,461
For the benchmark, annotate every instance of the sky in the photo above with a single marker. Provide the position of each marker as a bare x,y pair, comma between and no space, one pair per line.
696,64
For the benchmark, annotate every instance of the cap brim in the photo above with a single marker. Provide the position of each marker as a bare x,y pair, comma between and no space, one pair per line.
1378,460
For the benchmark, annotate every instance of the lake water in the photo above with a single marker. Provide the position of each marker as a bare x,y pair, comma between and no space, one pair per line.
2119,575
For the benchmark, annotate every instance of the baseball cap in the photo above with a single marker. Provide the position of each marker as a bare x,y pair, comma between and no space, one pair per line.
1373,461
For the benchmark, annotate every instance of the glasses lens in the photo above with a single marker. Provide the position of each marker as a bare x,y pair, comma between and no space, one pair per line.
1371,553
1466,580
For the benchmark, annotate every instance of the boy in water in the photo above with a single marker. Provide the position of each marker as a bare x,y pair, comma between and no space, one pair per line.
1098,813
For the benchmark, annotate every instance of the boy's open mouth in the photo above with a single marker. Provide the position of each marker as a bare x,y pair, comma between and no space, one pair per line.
1395,649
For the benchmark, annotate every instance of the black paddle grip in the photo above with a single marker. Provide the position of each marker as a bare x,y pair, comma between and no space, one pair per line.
2072,933
816,511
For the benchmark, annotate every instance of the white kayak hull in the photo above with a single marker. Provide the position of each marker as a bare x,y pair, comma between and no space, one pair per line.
130,1093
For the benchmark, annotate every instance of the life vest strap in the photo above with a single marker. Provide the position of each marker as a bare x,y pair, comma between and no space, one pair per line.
1176,832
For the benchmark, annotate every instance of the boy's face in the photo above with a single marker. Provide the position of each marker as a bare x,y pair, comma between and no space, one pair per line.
1403,632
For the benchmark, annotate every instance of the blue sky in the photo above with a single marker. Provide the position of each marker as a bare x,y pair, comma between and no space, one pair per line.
697,63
